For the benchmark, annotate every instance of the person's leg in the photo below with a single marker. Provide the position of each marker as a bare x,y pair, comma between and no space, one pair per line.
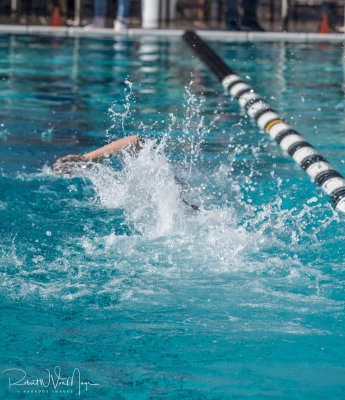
123,9
249,10
99,8
99,11
231,15
249,20
121,22
28,8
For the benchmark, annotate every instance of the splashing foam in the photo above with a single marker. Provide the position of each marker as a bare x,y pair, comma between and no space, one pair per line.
145,189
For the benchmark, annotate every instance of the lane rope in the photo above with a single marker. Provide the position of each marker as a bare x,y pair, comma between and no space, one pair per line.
303,153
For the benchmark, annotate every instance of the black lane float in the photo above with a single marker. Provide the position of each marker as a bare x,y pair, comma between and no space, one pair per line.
304,154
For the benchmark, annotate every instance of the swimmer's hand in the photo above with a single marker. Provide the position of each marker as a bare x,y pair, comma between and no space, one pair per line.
66,165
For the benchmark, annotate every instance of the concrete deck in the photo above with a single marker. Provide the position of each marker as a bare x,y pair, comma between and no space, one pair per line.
223,35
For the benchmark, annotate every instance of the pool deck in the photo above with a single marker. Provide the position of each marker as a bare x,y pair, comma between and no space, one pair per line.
223,35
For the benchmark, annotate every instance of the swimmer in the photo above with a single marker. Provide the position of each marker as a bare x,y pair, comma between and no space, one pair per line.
134,143
65,165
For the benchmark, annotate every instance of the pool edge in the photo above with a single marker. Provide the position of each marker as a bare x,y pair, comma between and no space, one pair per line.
222,35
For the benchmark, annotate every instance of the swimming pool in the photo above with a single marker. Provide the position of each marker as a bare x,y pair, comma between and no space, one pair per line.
110,272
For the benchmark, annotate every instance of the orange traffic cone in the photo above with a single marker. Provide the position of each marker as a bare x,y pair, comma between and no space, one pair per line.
56,17
324,26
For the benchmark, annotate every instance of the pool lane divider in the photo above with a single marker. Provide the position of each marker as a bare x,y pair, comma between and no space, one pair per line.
304,154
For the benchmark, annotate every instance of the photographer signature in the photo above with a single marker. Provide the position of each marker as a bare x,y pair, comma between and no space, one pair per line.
53,380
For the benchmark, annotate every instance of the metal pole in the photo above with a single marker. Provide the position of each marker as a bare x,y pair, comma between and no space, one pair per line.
285,14
77,7
14,5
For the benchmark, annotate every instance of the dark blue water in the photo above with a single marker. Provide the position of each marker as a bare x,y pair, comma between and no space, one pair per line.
109,274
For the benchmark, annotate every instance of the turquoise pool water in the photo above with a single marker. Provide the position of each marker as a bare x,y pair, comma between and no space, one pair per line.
109,273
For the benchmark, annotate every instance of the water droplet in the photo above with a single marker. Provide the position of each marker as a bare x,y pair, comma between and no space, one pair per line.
312,200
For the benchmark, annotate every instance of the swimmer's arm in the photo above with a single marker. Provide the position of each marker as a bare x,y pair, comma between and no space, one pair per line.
113,149
64,165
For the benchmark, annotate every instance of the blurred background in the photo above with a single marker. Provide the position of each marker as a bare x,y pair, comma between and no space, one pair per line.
276,15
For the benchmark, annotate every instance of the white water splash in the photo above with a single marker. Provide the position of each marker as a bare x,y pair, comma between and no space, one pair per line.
145,189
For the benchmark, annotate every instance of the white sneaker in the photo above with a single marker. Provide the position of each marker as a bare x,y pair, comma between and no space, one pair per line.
121,24
97,22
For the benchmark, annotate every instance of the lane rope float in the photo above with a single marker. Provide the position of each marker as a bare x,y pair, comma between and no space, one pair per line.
291,141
